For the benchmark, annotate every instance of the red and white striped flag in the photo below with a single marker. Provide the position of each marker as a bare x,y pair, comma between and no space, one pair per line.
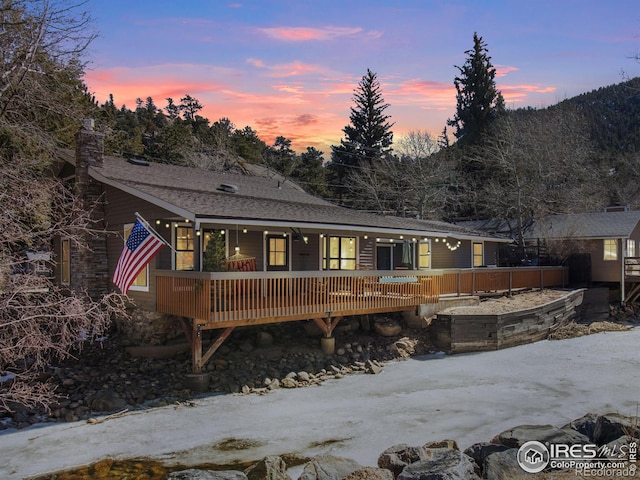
141,246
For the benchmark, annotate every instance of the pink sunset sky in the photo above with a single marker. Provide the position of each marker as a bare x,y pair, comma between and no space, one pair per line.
290,67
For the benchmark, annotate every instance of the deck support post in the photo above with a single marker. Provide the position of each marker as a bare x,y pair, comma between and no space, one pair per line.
327,325
199,359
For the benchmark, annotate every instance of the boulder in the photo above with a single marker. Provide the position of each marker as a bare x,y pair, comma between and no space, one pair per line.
396,458
442,444
503,466
585,425
328,467
194,474
612,426
480,451
388,328
271,467
107,401
264,339
443,464
617,449
370,473
518,436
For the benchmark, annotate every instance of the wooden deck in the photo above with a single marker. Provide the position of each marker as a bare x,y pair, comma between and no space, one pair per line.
228,300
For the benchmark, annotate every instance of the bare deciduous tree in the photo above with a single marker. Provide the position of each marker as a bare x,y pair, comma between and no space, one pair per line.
42,100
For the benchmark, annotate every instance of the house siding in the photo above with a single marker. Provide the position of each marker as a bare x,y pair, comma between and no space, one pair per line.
119,209
306,257
442,257
601,270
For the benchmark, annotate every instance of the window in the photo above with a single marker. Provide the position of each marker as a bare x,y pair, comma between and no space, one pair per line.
141,283
65,261
478,254
339,253
631,248
277,252
610,249
424,254
184,248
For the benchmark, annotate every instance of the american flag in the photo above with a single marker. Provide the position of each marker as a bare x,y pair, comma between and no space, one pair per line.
139,249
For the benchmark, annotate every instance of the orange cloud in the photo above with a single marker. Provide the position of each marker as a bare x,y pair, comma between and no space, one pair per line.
304,34
503,70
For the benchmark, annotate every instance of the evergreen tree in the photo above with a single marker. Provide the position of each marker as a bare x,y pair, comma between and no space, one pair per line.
368,137
310,172
478,99
280,156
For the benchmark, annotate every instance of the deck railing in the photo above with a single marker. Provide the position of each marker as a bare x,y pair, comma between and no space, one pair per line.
632,268
220,300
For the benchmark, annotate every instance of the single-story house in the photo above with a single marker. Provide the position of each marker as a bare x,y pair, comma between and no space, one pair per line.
288,255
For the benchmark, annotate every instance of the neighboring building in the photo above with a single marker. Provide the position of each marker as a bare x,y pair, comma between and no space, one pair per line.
595,246
602,242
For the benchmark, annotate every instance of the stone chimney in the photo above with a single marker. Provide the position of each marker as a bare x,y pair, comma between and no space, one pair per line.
89,267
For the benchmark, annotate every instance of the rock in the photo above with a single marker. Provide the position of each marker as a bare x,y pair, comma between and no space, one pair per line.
303,376
264,339
107,401
271,467
480,451
370,473
399,456
274,384
388,328
328,467
612,426
442,464
585,425
404,348
289,382
618,449
503,466
442,444
372,368
194,474
517,436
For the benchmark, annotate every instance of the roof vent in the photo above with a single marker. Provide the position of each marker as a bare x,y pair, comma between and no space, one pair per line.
139,162
228,188
617,208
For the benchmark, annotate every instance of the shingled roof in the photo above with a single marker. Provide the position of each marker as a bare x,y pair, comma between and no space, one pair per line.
586,225
197,194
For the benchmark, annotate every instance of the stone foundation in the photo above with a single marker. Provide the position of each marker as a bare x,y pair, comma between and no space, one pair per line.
149,328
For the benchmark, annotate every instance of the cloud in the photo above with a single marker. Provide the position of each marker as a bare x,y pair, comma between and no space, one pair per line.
504,70
424,93
522,93
288,88
305,34
305,119
292,69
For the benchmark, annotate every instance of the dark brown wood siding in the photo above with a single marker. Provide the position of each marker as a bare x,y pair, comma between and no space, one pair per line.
306,257
443,257
120,210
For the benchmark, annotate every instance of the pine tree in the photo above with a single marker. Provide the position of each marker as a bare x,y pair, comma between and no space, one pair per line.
368,137
478,99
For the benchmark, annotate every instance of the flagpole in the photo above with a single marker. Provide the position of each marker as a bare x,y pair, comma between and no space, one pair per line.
152,230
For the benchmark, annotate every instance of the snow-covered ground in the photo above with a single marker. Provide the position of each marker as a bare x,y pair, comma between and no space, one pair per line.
468,398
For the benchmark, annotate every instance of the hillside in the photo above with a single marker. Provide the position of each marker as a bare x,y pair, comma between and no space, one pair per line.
613,113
